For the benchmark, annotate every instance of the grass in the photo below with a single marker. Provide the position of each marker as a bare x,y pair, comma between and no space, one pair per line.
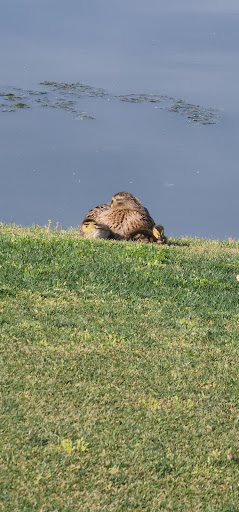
120,374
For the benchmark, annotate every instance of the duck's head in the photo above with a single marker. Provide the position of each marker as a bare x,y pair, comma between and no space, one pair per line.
90,229
125,201
158,234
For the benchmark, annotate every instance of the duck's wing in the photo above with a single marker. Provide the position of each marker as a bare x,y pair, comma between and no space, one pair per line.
125,222
96,213
147,214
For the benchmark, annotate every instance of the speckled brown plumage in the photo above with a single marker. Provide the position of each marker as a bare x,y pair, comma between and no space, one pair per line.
124,216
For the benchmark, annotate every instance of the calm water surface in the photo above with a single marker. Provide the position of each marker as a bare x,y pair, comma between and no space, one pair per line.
159,118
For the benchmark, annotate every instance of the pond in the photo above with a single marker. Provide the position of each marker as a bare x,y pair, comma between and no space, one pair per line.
99,97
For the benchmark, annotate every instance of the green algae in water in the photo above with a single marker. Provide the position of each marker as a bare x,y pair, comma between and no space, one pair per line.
21,105
132,98
77,88
10,96
68,97
194,112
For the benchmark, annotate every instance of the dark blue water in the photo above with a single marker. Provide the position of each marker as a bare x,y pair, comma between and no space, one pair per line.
172,141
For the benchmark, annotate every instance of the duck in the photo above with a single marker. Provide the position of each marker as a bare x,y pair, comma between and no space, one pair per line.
124,217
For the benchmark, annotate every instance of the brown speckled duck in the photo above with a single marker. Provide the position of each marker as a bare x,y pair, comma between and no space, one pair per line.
123,218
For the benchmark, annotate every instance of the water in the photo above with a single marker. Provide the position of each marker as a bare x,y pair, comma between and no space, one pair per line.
159,117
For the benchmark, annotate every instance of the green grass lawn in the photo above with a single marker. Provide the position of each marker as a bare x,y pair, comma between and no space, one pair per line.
120,374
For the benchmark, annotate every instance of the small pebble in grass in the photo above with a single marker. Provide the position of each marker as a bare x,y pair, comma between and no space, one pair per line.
237,277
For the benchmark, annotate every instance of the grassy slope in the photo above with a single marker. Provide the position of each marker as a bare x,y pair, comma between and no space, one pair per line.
120,374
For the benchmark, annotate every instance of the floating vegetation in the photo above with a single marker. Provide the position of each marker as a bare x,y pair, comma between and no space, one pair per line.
194,112
9,96
21,105
77,89
69,96
133,98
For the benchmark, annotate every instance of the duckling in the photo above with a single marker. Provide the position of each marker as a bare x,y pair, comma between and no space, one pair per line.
90,229
158,232
150,235
124,215
162,238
